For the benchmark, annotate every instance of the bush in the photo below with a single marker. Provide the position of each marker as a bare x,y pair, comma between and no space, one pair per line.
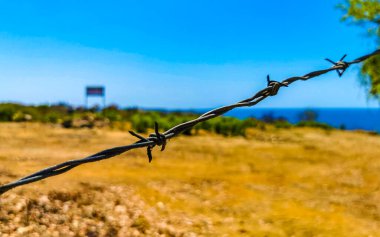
19,116
282,124
7,112
314,124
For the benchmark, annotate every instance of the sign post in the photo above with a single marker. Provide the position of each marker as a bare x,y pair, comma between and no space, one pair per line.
98,91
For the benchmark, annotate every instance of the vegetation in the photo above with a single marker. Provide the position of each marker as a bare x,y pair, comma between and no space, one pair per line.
308,119
131,118
366,13
308,115
142,121
314,124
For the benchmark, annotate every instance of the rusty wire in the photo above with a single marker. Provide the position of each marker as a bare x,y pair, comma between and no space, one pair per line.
160,139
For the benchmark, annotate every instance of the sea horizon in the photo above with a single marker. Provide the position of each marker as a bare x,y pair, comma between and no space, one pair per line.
348,118
355,118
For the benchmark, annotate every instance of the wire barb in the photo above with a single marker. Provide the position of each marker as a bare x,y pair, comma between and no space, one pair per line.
340,66
274,86
160,139
138,136
155,138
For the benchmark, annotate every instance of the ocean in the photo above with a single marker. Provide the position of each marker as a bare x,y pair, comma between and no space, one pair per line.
348,118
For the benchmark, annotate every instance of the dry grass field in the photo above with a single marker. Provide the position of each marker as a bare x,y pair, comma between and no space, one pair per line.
277,182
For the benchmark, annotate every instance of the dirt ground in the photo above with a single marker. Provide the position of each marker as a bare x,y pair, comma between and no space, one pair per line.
277,182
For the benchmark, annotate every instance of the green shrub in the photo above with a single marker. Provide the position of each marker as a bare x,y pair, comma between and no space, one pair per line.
282,124
7,112
314,124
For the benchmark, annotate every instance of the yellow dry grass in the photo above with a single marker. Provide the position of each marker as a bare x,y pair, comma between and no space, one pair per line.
288,182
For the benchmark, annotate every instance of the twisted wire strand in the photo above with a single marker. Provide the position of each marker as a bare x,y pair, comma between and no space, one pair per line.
160,139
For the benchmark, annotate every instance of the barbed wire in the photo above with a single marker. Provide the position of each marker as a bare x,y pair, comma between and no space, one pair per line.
160,139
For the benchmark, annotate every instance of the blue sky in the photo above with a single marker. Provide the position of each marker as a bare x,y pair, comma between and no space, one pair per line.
177,54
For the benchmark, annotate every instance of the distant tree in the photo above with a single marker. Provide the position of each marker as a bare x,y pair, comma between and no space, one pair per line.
268,118
366,13
308,115
113,107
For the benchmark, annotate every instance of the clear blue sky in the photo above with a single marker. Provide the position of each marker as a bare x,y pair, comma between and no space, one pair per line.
176,54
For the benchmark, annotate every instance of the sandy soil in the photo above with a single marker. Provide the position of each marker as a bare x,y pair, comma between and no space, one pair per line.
287,182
